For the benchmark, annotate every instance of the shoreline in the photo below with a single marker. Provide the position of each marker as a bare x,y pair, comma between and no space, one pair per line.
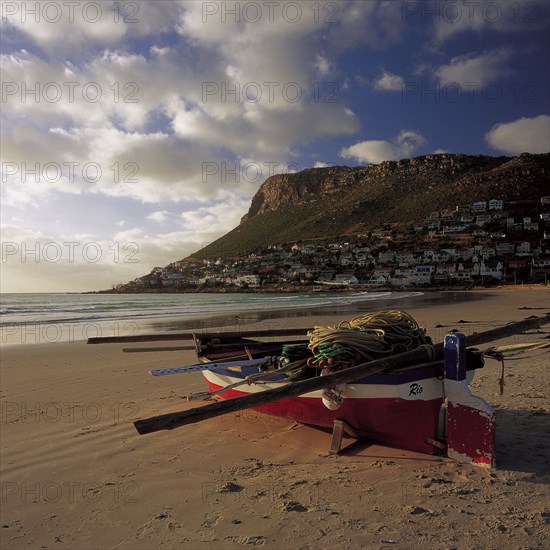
240,318
36,332
76,474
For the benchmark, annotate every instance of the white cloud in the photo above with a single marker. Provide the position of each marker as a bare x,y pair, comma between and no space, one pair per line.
160,216
389,82
525,135
217,219
70,29
113,130
481,69
322,65
319,164
464,16
355,22
376,151
146,167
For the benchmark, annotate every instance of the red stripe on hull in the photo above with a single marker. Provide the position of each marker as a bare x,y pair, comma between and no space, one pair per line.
397,422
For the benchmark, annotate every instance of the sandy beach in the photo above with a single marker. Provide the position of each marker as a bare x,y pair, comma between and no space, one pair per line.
75,473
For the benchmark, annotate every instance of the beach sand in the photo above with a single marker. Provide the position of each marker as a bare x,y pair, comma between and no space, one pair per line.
75,474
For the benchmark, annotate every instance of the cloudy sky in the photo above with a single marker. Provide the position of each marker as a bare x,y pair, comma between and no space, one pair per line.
134,133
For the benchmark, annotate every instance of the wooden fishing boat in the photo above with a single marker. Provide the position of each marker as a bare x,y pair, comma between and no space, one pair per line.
402,408
418,399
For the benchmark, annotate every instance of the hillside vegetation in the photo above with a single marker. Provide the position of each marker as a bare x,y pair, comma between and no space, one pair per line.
320,203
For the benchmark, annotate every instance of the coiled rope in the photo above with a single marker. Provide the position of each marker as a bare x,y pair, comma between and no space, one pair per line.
364,339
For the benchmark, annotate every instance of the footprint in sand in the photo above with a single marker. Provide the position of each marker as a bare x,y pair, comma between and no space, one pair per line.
254,541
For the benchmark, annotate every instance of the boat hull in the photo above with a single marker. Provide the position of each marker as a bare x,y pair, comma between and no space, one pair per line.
402,411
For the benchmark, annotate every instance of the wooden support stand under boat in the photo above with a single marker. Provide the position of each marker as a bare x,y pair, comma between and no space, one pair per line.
340,428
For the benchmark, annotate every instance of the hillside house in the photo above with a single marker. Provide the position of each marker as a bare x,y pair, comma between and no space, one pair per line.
541,267
518,263
385,271
378,280
514,227
495,204
362,259
308,271
464,254
482,219
454,228
422,275
326,275
346,258
441,256
488,252
487,269
404,259
450,251
386,257
445,268
505,248
403,272
309,249
249,279
346,279
463,273
173,278
529,225
480,206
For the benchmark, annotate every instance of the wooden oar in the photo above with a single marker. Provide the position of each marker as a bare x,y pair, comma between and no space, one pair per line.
189,336
206,348
418,355
159,348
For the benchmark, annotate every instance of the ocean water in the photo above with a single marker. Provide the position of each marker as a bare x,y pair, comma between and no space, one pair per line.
41,318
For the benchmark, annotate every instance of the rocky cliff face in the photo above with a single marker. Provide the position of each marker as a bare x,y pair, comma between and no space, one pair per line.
474,177
280,190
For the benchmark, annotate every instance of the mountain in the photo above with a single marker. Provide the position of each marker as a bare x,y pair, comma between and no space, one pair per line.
325,202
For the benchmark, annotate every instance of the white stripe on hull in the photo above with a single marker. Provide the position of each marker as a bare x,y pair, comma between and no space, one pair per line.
416,390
